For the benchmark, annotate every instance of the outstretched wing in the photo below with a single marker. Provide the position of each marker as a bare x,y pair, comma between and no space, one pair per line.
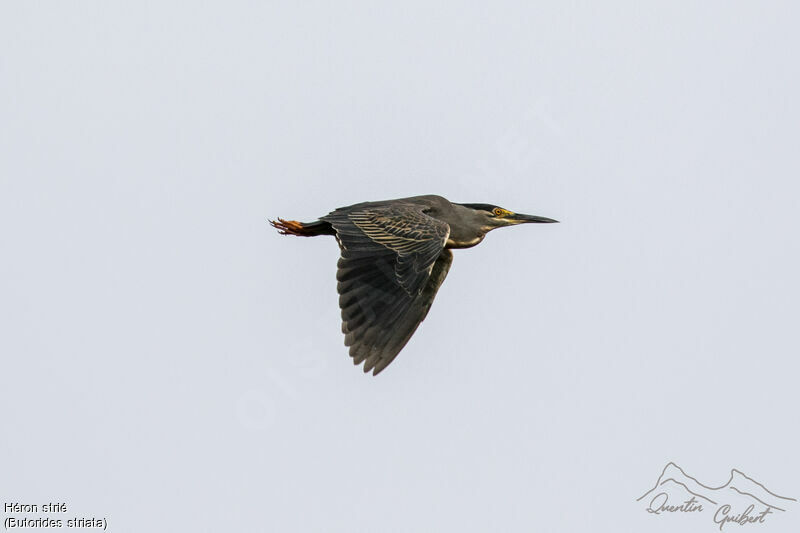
392,263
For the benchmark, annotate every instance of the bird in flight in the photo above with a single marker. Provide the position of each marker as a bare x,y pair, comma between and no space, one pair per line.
395,255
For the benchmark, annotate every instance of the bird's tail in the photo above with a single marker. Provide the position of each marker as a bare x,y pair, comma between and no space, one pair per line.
302,229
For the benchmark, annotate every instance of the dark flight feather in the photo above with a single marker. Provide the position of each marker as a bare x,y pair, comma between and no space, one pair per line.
393,261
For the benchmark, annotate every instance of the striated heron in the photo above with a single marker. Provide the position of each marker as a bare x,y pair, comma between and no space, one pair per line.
395,255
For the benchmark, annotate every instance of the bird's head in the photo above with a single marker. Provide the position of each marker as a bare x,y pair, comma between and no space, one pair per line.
492,216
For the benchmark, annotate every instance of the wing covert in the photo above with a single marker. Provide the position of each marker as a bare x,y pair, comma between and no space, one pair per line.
392,263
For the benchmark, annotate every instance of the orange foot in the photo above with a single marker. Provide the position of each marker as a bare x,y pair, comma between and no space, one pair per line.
288,227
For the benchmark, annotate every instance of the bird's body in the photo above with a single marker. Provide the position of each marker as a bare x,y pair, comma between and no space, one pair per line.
395,255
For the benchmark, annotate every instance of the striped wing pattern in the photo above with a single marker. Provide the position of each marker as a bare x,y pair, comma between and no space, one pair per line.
392,263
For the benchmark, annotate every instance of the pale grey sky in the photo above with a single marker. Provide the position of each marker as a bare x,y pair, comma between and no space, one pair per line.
171,363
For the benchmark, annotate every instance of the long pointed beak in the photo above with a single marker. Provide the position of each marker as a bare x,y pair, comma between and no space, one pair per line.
523,219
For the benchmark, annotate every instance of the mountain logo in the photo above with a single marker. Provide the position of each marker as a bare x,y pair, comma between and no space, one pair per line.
741,500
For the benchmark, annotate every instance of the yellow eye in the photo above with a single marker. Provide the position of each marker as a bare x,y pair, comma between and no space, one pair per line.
500,212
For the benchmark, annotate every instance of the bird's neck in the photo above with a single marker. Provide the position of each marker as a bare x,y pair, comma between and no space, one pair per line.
468,231
464,241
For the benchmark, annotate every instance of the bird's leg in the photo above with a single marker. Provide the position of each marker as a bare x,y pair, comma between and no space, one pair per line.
287,227
302,229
